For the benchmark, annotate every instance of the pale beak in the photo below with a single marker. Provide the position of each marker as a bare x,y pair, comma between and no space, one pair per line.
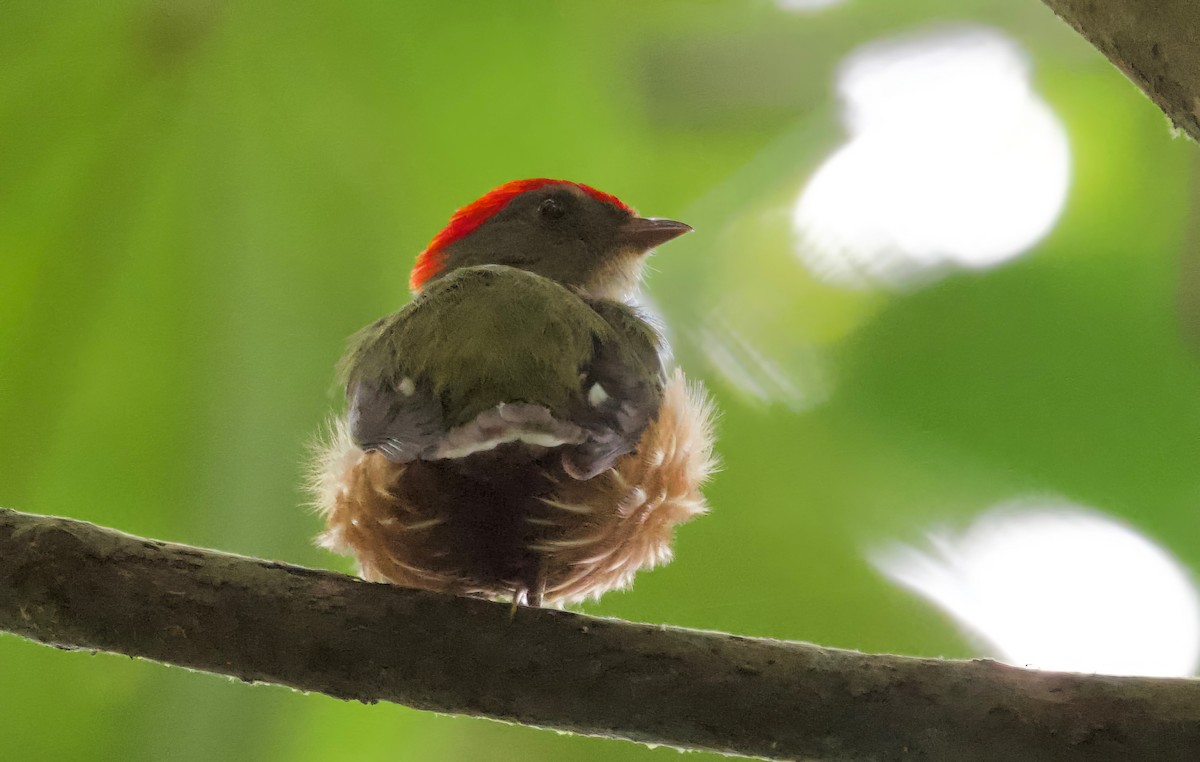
644,233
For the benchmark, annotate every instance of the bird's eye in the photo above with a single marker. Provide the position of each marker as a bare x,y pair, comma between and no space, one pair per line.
552,209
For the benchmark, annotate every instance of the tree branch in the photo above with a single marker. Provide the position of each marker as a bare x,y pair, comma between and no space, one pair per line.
1154,42
74,585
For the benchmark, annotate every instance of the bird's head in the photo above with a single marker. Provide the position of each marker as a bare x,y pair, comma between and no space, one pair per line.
576,235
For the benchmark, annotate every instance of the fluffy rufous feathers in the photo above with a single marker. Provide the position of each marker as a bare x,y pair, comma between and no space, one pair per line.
376,510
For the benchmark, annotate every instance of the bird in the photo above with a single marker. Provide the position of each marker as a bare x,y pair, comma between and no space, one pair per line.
513,432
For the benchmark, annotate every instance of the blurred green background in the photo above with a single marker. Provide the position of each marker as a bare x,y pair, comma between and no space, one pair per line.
199,200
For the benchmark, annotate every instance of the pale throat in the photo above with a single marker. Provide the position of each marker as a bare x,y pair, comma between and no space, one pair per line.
617,279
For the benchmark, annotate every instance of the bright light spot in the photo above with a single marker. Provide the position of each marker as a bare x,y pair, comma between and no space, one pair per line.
1056,586
953,161
807,5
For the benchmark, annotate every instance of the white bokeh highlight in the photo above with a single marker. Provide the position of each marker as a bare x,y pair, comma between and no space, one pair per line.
807,6
953,162
1053,585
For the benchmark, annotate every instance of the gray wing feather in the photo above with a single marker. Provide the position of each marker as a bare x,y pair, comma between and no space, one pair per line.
399,426
629,371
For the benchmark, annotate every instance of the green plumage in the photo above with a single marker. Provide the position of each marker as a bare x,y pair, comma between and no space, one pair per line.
490,334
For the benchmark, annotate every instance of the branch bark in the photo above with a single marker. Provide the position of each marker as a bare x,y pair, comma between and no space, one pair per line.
78,586
1154,42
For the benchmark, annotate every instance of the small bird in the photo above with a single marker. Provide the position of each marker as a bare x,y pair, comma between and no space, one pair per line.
512,433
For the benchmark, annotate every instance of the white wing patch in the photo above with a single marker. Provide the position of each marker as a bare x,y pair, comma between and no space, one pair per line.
597,395
506,423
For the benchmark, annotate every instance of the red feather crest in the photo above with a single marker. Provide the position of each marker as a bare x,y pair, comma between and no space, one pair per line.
465,220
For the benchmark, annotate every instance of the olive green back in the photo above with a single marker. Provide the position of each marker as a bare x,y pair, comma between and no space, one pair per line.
491,334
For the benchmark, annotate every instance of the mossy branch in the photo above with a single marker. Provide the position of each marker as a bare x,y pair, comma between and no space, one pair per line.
78,586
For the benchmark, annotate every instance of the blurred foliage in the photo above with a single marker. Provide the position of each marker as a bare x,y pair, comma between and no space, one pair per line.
199,200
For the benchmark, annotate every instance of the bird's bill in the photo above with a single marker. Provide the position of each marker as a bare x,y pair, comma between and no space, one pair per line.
644,233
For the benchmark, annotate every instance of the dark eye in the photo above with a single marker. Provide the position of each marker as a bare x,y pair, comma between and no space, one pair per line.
552,209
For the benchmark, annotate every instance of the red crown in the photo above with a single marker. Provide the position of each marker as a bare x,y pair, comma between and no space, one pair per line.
465,220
